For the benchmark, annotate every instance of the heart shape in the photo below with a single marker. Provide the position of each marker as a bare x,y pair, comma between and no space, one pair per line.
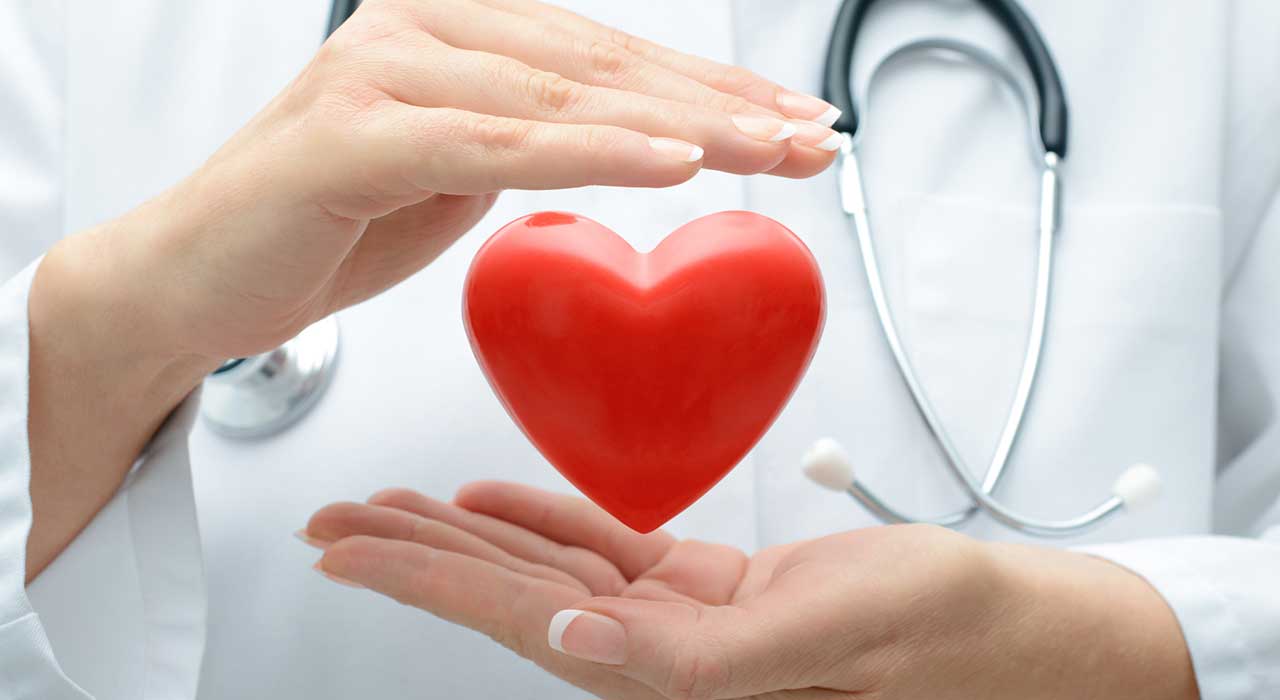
644,378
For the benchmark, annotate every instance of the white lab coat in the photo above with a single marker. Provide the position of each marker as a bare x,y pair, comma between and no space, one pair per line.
1164,339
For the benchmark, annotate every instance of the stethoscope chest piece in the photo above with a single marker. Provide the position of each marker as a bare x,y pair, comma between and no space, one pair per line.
262,395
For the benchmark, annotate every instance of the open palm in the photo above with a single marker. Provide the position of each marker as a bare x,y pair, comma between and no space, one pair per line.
702,620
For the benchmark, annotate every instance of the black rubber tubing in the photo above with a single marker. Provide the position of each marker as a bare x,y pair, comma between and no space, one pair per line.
838,90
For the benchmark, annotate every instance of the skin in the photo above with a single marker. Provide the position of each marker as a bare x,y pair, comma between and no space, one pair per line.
889,612
392,143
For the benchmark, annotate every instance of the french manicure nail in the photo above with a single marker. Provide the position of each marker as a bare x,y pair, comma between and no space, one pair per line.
309,540
336,579
763,128
588,636
794,104
675,148
816,136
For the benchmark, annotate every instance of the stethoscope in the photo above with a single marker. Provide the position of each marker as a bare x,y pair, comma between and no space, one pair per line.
259,396
826,462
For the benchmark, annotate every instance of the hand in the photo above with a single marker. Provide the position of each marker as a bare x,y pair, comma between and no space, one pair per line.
397,136
893,612
391,144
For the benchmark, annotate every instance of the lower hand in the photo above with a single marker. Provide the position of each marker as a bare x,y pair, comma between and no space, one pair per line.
890,612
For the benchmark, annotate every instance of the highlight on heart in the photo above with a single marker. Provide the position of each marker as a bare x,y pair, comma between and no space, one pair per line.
644,378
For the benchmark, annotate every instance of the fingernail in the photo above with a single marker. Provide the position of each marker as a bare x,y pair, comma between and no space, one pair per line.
309,540
816,135
336,579
588,636
763,128
794,104
675,148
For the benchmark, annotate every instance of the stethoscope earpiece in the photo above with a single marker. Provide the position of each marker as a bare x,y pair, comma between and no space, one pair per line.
1138,486
828,465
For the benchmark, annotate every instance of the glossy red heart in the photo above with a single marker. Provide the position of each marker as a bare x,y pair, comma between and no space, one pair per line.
644,378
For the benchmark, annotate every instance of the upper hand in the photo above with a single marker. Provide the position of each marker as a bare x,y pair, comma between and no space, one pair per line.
396,138
391,143
892,612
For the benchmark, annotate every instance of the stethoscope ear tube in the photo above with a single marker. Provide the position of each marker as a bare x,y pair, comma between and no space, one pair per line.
1054,121
838,71
837,82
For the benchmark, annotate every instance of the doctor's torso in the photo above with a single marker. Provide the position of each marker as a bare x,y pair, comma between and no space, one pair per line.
125,98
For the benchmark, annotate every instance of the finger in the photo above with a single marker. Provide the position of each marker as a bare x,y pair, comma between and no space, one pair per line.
452,151
568,520
803,160
492,84
599,62
696,571
598,573
682,650
513,609
731,80
552,47
467,591
341,520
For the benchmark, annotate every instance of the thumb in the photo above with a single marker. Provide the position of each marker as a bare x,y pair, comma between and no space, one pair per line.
681,650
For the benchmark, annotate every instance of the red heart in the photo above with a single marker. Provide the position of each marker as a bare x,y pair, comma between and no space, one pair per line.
644,378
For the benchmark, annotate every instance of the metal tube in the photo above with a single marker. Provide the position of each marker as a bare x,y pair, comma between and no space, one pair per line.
853,201
1039,319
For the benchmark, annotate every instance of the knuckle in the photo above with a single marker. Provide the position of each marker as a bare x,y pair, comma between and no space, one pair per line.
737,80
339,51
424,16
602,140
624,41
732,104
505,631
608,61
374,27
499,133
416,530
510,639
552,92
362,60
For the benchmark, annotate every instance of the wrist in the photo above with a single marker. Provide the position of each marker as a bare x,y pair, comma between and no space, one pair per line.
101,382
1080,626
94,312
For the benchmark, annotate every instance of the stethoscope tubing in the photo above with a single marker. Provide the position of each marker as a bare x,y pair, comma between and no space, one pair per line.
1053,122
1051,128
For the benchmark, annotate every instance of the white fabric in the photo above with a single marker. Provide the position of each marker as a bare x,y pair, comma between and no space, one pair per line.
143,555
28,668
1164,343
136,569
